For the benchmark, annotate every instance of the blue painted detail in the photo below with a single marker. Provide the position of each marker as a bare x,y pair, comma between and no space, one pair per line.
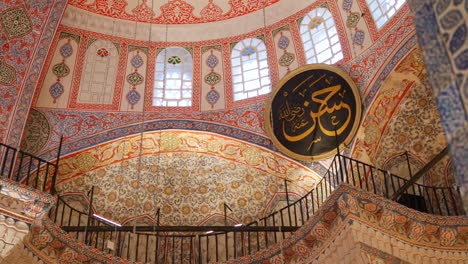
137,61
133,97
347,4
451,110
359,37
437,61
212,97
283,42
248,51
66,50
461,60
56,90
441,6
451,19
458,39
212,61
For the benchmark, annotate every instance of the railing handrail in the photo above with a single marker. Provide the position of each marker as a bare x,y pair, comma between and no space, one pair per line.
264,231
21,165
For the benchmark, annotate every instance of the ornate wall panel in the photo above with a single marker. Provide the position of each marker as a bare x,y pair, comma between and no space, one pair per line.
404,119
351,12
188,175
27,32
56,82
285,53
135,79
99,72
212,95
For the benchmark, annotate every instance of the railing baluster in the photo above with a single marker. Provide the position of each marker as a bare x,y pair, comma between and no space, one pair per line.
46,176
374,190
207,249
128,245
173,249
137,246
19,167
385,184
352,172
5,158
234,244
302,214
437,200
295,214
216,244
366,178
445,201
242,243
37,174
200,255
146,247
166,251
274,224
182,248
191,250
454,203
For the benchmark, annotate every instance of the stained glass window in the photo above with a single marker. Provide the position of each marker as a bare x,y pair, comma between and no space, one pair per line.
173,78
383,10
250,72
320,37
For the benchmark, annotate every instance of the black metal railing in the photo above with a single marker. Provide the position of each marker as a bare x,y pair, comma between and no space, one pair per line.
206,244
27,169
430,199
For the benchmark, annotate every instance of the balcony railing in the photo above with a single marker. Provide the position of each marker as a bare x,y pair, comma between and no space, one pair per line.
206,244
27,169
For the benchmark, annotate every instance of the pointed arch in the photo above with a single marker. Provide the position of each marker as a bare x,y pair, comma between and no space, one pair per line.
99,73
320,37
383,10
250,71
173,78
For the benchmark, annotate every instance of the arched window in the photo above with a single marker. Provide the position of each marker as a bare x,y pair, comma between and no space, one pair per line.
320,38
99,73
173,78
383,10
250,72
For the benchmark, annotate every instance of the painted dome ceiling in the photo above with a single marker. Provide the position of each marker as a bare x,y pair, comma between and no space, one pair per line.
175,11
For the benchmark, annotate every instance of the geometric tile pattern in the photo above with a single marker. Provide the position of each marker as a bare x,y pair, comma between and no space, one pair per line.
16,22
184,174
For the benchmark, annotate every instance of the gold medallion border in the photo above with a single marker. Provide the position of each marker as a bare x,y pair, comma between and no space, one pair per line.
289,76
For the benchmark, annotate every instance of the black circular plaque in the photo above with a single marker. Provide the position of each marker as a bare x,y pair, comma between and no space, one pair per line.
312,110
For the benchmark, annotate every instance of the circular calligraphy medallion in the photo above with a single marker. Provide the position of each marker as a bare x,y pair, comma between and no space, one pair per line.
312,110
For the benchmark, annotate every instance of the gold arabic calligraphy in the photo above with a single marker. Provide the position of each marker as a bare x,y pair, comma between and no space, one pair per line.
296,116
